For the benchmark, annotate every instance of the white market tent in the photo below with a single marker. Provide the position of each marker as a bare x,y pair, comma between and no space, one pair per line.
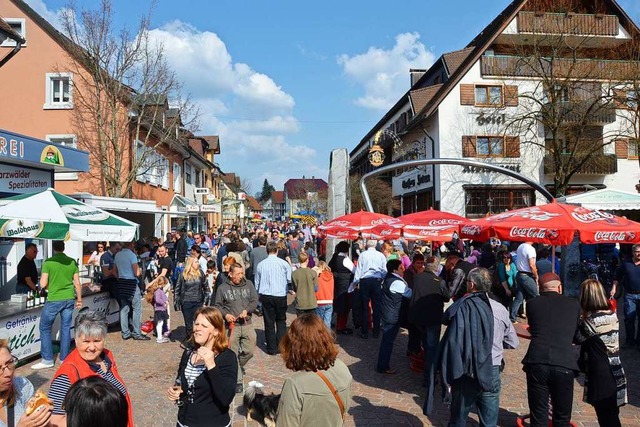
606,199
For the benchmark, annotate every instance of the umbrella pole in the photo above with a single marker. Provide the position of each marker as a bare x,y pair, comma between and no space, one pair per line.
553,258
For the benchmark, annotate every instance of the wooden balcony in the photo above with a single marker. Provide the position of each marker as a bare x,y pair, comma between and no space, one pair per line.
568,24
599,164
587,69
582,112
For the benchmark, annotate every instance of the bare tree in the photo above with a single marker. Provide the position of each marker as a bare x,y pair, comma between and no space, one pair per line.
127,101
380,193
564,86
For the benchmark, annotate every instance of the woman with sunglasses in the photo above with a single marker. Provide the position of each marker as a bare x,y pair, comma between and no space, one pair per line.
94,260
507,275
206,382
15,392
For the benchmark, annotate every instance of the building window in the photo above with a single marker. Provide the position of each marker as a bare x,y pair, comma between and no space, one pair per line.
19,26
187,174
488,95
490,146
66,140
633,148
177,178
197,174
484,200
632,100
58,91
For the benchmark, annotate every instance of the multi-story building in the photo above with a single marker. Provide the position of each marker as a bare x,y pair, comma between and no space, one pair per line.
547,89
275,207
305,196
152,169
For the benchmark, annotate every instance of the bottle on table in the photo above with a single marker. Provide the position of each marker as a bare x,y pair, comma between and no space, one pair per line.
30,300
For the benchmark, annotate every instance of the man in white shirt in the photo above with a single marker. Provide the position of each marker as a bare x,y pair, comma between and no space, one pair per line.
526,279
371,269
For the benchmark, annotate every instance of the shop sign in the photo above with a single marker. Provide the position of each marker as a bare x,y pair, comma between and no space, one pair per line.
414,180
491,119
193,208
19,179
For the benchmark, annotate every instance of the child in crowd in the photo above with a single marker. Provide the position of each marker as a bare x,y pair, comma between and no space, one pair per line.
324,294
157,296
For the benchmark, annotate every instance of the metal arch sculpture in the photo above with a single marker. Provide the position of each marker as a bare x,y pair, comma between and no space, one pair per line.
458,162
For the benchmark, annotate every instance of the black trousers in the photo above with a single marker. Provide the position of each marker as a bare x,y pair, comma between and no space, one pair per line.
274,313
544,382
608,412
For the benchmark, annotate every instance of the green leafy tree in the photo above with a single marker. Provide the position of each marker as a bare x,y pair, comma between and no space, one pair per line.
267,189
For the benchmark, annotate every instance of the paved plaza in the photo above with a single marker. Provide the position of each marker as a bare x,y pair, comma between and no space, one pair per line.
378,400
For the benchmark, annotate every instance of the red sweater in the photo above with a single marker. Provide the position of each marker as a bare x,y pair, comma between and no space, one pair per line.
76,368
325,288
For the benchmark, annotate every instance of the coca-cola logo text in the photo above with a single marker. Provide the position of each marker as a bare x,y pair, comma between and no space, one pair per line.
383,221
614,236
533,213
592,216
528,232
472,230
435,222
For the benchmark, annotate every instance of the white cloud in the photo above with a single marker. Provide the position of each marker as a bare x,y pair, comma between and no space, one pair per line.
53,17
384,74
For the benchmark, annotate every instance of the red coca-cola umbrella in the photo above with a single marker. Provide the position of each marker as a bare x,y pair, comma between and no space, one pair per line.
431,225
367,223
555,224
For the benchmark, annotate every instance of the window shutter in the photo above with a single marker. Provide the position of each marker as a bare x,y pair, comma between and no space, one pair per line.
512,146
511,96
469,146
467,94
620,99
622,148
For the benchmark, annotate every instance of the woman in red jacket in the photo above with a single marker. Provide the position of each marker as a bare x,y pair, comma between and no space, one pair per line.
324,296
88,359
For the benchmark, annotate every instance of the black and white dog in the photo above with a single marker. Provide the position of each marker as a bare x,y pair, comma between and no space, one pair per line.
261,407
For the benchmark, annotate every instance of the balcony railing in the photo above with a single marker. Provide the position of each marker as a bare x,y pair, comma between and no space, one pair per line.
568,24
598,164
531,66
581,112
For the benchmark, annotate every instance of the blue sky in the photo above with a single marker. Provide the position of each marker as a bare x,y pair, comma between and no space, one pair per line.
283,82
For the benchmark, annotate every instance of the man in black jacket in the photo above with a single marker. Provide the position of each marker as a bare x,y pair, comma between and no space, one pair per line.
426,307
550,362
180,246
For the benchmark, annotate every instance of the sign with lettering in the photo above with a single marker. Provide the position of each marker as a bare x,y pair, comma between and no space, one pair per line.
413,180
19,179
515,167
23,329
490,119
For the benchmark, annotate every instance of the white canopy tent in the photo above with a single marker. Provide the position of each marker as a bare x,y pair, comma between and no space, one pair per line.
606,199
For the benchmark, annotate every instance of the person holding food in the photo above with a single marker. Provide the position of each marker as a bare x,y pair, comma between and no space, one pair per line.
206,382
89,359
20,406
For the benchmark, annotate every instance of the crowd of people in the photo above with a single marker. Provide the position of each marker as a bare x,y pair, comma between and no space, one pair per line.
220,281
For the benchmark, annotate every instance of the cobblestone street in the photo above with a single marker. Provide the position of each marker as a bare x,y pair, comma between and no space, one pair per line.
149,369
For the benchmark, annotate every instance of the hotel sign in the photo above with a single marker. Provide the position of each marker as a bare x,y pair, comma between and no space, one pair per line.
413,180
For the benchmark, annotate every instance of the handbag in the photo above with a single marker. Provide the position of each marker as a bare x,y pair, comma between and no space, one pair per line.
334,392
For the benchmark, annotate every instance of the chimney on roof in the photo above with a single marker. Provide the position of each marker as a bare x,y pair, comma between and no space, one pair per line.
416,73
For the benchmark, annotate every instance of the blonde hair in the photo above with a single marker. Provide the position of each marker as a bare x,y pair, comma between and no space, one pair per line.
592,296
8,397
191,269
322,267
157,283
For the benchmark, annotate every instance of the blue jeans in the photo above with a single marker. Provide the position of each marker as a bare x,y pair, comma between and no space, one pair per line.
126,305
631,302
48,316
188,312
466,392
526,288
389,333
370,289
325,312
430,337
21,288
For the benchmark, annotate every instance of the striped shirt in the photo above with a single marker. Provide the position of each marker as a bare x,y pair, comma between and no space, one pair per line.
192,372
272,276
60,385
